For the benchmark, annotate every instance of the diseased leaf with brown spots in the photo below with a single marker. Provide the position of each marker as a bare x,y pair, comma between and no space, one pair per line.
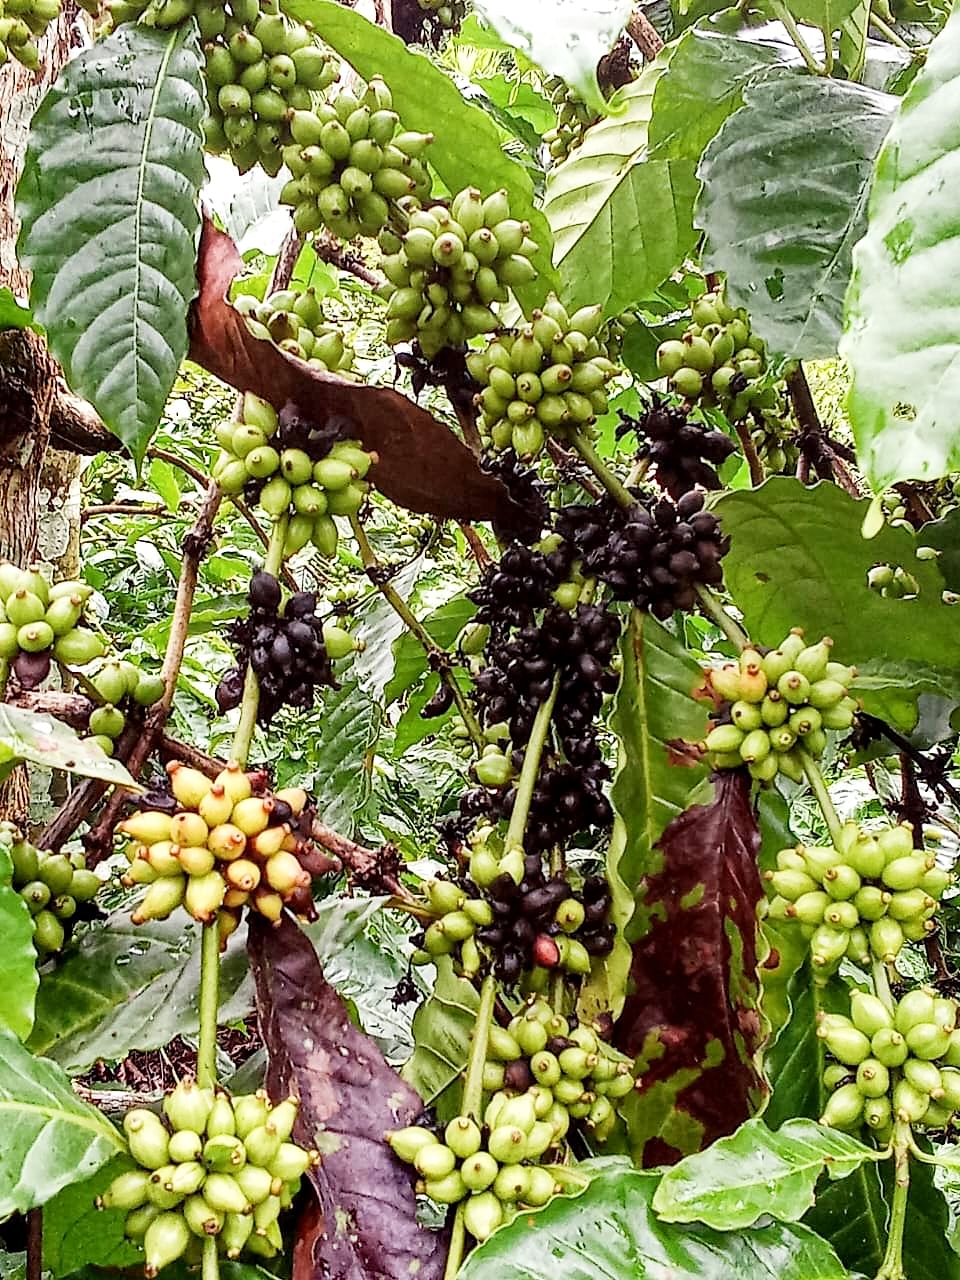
423,466
364,1226
692,1013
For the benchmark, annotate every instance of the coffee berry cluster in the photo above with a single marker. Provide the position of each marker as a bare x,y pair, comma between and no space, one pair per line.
685,452
351,160
892,1064
501,1166
288,648
293,319
57,888
221,849
21,21
41,621
542,380
123,689
777,706
718,361
863,897
450,267
292,470
211,1166
574,118
893,582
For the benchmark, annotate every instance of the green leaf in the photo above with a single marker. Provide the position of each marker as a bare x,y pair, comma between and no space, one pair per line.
108,202
12,314
902,337
797,559
783,203
348,728
944,535
621,222
18,960
708,69
442,1031
410,660
567,38
163,478
754,1172
655,712
40,739
126,986
75,1235
611,1231
825,14
795,1062
427,100
50,1137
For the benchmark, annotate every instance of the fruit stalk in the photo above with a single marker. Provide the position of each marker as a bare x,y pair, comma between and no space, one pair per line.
618,491
209,1003
715,611
531,768
892,1266
251,687
435,656
819,788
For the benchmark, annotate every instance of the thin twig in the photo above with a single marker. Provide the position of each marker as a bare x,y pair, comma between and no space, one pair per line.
644,34
757,475
181,464
475,543
330,250
156,511
35,1244
366,864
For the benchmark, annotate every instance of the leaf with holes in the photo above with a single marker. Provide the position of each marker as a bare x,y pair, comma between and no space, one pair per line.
50,1137
797,559
755,1173
621,222
655,714
566,38
902,337
783,203
108,203
18,960
692,1014
442,1030
365,1220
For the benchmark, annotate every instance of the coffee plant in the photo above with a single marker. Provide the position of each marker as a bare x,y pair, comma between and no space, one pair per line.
503,730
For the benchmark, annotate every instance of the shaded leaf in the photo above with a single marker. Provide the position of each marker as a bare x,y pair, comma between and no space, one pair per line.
794,1063
422,466
825,14
108,203
123,987
18,959
621,222
784,201
611,1231
944,535
12,314
348,728
797,559
40,739
692,1011
654,708
410,660
50,1137
366,1221
75,1235
756,1172
442,1030
428,100
567,38
902,337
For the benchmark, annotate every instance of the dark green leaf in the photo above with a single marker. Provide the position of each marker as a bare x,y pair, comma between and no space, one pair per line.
108,202
410,660
621,222
611,1231
18,960
40,739
756,1172
127,986
944,535
567,38
825,14
76,1235
50,1137
797,559
12,314
429,101
783,203
794,1064
902,339
442,1030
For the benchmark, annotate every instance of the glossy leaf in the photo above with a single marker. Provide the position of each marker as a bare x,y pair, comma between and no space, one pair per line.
783,203
423,466
797,559
692,1011
755,1173
655,714
611,1230
40,739
567,38
50,1137
621,222
442,1029
124,987
75,1235
108,202
18,959
902,336
428,100
365,1219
